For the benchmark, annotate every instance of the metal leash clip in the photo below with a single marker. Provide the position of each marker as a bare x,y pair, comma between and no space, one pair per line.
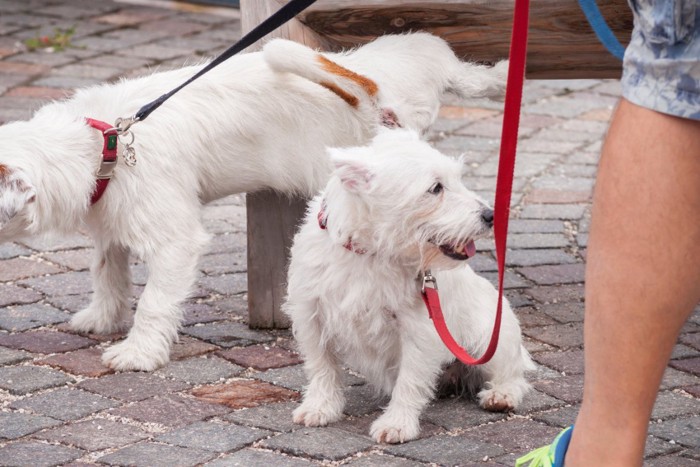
428,278
121,126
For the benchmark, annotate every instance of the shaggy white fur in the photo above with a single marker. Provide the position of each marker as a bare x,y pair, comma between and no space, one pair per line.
259,120
392,210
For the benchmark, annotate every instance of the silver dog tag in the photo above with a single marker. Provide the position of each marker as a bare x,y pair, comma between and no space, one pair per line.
129,155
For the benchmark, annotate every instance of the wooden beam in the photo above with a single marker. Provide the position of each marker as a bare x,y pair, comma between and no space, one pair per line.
561,45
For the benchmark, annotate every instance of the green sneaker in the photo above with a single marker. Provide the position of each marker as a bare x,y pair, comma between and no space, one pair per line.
549,456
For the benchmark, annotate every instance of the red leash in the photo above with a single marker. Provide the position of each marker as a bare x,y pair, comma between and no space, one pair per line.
504,186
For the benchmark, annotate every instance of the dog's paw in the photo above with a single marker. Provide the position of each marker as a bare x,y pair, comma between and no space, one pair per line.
314,415
494,400
393,429
95,321
127,356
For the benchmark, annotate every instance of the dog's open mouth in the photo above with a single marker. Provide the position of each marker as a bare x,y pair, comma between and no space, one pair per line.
459,251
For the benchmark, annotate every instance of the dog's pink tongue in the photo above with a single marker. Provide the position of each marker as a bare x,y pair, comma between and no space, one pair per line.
470,248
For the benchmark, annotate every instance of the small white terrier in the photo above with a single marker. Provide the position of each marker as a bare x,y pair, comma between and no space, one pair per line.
259,120
390,211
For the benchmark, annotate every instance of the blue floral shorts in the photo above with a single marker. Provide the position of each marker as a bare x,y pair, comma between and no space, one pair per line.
662,62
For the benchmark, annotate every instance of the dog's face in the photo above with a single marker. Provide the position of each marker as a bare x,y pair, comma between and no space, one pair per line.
412,200
17,194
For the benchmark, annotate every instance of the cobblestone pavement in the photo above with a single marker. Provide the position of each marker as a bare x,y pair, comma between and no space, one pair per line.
226,398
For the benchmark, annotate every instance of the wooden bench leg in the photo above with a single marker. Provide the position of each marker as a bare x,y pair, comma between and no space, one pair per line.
272,218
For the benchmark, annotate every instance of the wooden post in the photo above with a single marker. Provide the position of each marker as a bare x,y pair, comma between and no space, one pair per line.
272,218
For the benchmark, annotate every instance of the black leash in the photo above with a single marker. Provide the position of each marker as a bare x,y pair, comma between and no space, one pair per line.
282,16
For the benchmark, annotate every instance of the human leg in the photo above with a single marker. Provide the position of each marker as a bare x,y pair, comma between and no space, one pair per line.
642,278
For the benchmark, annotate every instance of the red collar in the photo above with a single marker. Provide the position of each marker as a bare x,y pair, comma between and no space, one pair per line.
322,223
109,157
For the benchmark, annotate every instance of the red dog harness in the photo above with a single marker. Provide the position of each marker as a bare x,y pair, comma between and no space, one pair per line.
109,157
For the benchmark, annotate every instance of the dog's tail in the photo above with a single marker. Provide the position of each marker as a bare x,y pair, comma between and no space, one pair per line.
472,80
287,56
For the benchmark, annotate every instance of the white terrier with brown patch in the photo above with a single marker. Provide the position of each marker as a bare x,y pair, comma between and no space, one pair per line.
258,121
390,211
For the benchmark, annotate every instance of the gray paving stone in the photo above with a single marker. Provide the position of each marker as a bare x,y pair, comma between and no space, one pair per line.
65,404
11,294
12,356
200,370
132,387
12,250
15,425
456,413
383,459
534,401
69,283
536,240
671,405
26,379
446,450
685,431
170,410
515,435
675,379
291,377
256,457
560,335
319,443
21,318
227,284
537,257
362,400
566,312
37,454
148,454
214,436
563,417
276,417
553,211
227,334
94,435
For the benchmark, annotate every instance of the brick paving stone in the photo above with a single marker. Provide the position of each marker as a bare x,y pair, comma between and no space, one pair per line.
12,250
556,294
685,431
672,461
569,362
196,313
147,454
537,257
275,416
375,459
535,401
187,347
535,226
227,334
363,400
671,405
560,335
214,436
63,82
692,340
563,417
94,435
244,393
223,263
15,425
693,390
534,346
12,356
690,365
554,274
529,317
325,443
536,240
64,404
675,379
290,377
553,196
170,410
37,454
567,312
515,435
65,242
553,211
11,295
26,379
456,413
567,388
132,387
83,362
255,457
71,303
261,357
511,280
227,284
102,73
45,341
69,283
21,268
21,318
446,450
76,260
200,370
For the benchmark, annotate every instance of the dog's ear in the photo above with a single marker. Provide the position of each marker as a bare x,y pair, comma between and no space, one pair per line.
355,174
15,192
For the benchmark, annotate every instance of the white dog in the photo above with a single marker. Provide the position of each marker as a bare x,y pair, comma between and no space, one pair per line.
249,124
389,212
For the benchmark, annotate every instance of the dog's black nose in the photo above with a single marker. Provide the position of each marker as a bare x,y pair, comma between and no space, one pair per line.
487,216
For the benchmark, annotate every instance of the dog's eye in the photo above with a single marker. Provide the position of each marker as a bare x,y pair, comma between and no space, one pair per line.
436,189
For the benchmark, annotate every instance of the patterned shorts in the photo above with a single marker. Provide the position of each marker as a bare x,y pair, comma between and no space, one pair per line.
662,62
